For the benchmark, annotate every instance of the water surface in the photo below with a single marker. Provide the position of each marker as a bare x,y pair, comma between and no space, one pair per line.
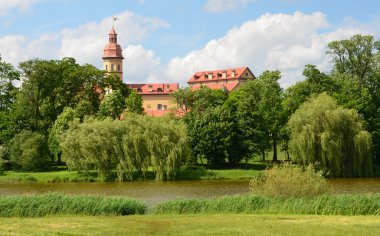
155,192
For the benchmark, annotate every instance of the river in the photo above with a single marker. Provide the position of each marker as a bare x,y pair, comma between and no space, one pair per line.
155,192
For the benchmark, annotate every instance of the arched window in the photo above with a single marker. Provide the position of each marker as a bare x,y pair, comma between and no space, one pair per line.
139,90
159,90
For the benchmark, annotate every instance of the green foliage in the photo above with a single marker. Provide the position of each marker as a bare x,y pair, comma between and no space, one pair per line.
259,111
215,136
320,205
61,124
289,181
129,146
134,103
112,105
323,132
29,151
59,204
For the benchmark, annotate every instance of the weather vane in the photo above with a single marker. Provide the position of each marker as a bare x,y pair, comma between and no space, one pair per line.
114,18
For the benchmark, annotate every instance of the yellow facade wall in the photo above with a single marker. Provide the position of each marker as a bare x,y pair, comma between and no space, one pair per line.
151,101
117,67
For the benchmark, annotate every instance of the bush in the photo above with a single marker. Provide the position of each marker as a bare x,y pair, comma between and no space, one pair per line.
59,204
289,181
29,151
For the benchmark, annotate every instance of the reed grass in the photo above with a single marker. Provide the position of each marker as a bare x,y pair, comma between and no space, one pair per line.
320,205
60,204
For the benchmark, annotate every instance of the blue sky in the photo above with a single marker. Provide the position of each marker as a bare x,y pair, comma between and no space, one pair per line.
169,40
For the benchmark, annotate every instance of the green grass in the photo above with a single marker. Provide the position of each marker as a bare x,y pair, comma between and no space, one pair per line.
205,224
60,204
350,204
47,177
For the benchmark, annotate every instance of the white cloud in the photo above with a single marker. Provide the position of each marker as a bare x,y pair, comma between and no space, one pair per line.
273,41
86,42
285,42
7,5
224,5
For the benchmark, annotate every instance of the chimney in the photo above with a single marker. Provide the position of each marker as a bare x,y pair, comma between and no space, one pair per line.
233,73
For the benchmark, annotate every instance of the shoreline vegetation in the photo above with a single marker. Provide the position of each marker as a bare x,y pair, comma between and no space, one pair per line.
40,205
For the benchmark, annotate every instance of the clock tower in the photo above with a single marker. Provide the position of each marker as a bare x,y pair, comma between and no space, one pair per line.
113,57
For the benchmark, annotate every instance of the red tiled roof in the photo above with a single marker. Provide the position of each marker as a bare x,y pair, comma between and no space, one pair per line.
112,49
226,74
226,86
154,88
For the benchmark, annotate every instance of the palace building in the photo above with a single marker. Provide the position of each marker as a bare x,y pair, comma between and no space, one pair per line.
227,79
156,97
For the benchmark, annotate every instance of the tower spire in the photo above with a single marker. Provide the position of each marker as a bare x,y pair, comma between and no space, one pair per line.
113,57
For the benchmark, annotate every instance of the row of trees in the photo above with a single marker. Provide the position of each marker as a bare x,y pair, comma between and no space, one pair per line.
222,128
226,128
50,93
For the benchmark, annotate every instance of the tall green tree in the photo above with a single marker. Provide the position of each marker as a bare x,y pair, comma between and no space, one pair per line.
322,132
8,91
134,103
260,112
354,56
112,105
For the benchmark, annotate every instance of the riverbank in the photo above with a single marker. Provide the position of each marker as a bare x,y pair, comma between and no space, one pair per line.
198,173
204,224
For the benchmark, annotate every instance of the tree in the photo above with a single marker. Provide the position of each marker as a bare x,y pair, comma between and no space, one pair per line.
260,112
322,132
29,152
354,56
215,136
134,103
112,105
61,124
50,86
8,76
128,146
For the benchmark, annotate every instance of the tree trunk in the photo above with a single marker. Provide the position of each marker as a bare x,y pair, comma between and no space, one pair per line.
274,149
263,154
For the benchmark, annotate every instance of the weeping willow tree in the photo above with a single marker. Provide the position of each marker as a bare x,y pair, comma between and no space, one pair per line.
168,146
324,133
130,146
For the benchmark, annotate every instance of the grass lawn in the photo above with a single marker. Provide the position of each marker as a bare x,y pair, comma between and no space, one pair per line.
208,224
48,176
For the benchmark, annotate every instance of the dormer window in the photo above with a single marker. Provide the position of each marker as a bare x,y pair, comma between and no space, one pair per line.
150,88
159,90
139,90
167,87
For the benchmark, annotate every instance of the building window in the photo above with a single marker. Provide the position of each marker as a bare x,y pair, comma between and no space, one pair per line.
139,90
118,67
159,90
150,88
164,107
149,106
112,67
106,67
159,106
167,87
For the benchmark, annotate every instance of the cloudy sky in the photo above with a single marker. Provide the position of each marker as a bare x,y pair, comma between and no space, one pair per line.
168,40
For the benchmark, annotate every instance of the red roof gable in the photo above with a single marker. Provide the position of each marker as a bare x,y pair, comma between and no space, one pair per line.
226,74
154,88
227,86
